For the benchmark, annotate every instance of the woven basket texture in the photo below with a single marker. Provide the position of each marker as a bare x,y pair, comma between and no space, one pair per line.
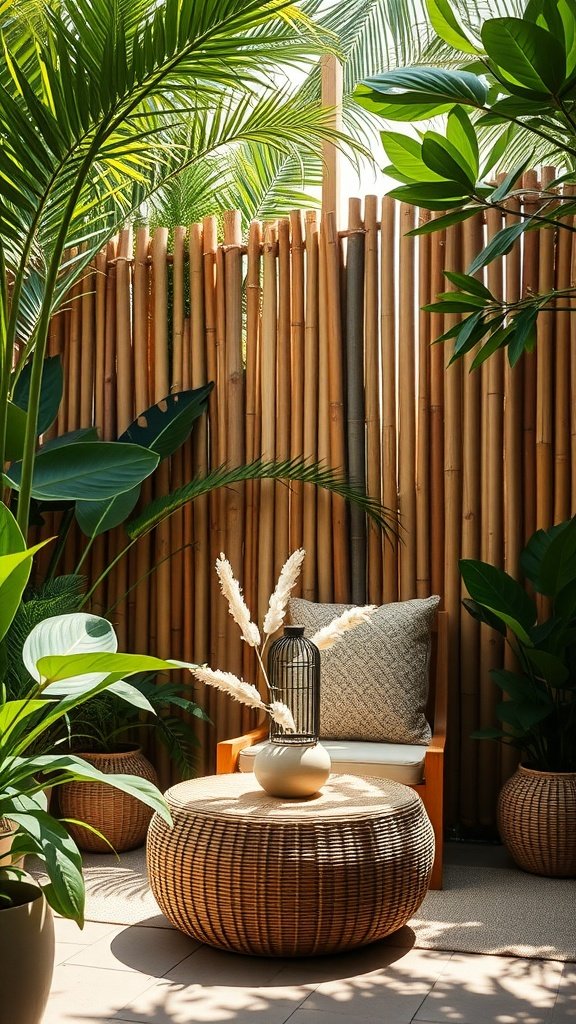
121,818
537,821
243,871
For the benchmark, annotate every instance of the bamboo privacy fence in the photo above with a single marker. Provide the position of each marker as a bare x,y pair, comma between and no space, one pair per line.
318,347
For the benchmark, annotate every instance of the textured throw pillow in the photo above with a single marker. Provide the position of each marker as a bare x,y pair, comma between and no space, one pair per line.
374,681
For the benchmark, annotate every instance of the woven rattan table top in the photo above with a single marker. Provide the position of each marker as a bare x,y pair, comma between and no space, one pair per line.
239,796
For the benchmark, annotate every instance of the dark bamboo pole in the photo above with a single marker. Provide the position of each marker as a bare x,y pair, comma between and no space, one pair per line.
407,406
310,433
356,429
372,395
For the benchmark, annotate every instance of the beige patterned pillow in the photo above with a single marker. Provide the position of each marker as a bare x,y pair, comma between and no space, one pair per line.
374,681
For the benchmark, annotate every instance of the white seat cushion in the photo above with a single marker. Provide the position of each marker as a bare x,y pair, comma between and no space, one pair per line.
403,762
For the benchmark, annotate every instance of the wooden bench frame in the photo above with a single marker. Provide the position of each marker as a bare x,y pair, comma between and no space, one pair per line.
431,789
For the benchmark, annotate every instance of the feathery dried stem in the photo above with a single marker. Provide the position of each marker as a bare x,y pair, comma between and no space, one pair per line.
236,688
236,604
334,631
282,715
279,599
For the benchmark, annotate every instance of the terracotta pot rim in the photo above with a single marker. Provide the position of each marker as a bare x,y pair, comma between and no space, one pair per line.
545,773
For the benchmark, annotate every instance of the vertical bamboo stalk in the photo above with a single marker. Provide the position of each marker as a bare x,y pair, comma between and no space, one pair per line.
355,393
545,351
406,408
177,476
324,503
388,311
438,360
423,424
283,395
235,422
297,329
140,313
268,403
74,347
372,396
311,369
340,534
562,379
125,376
472,485
531,244
88,348
253,405
197,567
210,236
162,476
452,528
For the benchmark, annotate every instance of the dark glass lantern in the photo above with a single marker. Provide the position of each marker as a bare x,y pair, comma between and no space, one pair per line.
294,676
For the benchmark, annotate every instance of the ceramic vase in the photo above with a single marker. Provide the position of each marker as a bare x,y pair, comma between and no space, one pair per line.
292,770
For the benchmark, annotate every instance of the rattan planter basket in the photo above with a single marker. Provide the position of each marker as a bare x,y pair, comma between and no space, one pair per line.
537,821
121,818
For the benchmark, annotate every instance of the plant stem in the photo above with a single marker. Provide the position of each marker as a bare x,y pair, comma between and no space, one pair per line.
58,550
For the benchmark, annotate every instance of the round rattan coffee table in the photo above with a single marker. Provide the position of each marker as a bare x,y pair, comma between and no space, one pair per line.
247,872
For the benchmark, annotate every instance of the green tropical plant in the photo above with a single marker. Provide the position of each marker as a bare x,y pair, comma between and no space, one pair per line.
539,715
92,98
62,683
518,79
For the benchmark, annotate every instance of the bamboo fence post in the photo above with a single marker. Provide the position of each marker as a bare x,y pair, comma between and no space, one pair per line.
492,539
372,395
531,242
573,389
297,329
88,347
438,360
407,407
119,581
545,350
335,353
472,484
332,90
310,434
561,383
235,429
283,396
452,527
161,389
73,353
177,460
354,336
323,500
268,405
389,262
253,407
140,313
423,420
197,531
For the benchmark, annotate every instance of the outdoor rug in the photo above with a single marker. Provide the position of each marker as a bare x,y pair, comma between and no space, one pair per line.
498,910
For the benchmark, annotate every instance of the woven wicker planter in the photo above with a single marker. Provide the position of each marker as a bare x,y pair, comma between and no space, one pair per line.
537,821
121,818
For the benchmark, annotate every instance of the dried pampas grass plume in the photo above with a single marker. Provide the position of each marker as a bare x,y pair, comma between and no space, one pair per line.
334,631
236,604
279,599
236,688
282,715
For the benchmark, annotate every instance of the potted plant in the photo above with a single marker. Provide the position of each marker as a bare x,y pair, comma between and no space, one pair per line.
28,762
537,805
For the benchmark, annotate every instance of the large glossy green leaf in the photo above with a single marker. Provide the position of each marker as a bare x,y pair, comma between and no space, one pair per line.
427,84
71,437
460,132
499,245
443,19
558,563
442,157
96,517
76,633
14,572
405,153
500,594
65,893
432,195
15,431
550,667
375,103
164,427
527,54
57,667
50,395
532,555
86,471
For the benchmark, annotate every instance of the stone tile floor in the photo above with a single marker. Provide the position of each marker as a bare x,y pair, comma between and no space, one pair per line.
146,975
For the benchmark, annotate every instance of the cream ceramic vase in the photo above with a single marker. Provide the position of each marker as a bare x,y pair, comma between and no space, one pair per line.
26,954
292,770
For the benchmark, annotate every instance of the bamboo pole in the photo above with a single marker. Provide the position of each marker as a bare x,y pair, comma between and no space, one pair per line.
140,314
340,535
161,388
372,396
73,353
529,284
423,579
545,351
354,336
197,567
324,503
297,333
438,359
235,399
388,332
332,92
562,378
283,396
177,475
253,408
268,404
472,484
88,347
406,407
124,369
310,433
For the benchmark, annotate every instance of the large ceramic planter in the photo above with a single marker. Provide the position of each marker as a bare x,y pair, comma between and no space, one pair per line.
121,818
26,954
537,821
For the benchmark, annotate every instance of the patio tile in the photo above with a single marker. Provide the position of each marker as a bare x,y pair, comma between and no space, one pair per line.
209,967
150,951
170,1003
64,951
68,931
502,990
393,992
89,994
304,1016
565,1008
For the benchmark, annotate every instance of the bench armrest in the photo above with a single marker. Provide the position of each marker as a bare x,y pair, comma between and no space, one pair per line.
227,751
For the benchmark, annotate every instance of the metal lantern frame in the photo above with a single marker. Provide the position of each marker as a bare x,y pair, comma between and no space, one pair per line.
294,676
